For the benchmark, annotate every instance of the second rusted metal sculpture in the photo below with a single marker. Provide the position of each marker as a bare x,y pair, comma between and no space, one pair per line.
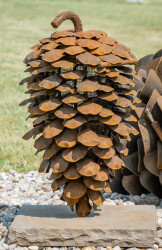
81,96
143,172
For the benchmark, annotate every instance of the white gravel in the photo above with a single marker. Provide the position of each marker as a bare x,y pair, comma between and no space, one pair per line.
33,188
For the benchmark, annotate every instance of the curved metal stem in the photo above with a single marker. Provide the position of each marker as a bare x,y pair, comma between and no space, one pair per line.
68,15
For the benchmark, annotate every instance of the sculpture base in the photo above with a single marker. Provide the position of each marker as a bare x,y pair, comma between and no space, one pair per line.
126,226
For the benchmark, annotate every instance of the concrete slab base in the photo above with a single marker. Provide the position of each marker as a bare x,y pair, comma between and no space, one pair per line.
126,226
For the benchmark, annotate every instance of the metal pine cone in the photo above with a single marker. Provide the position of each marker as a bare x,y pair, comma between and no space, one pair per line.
81,99
143,165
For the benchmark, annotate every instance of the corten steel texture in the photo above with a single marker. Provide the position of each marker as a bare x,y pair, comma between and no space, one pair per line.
68,15
143,172
82,109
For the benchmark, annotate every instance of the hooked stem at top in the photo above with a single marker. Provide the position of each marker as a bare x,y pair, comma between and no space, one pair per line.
68,15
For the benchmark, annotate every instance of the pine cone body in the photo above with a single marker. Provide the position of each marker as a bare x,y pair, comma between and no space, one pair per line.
81,97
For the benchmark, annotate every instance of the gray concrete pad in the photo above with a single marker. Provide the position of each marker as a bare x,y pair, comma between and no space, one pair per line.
126,226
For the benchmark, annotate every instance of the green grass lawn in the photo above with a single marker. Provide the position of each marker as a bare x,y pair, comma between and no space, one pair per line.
24,22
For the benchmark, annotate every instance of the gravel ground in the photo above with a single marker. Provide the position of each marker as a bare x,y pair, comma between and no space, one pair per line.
33,188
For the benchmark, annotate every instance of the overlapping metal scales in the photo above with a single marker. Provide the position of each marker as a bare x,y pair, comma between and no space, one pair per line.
143,172
80,98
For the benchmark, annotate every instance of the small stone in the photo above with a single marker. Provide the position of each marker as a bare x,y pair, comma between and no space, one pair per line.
136,198
120,202
33,248
109,202
57,197
21,248
157,241
132,248
159,233
12,172
15,196
143,195
155,247
73,248
109,248
129,203
100,248
2,209
117,248
88,248
11,247
5,246
116,202
159,224
5,234
160,205
159,213
114,195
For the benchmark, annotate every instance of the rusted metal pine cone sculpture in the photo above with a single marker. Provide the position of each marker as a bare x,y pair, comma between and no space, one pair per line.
143,165
80,98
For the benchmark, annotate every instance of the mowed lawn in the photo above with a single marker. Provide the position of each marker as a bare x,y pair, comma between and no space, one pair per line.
24,22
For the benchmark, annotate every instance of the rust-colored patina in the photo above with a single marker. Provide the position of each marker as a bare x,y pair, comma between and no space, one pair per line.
143,165
81,97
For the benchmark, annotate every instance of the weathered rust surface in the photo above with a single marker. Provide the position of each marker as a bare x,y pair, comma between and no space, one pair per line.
132,184
88,59
147,164
152,82
148,136
94,184
87,167
81,98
